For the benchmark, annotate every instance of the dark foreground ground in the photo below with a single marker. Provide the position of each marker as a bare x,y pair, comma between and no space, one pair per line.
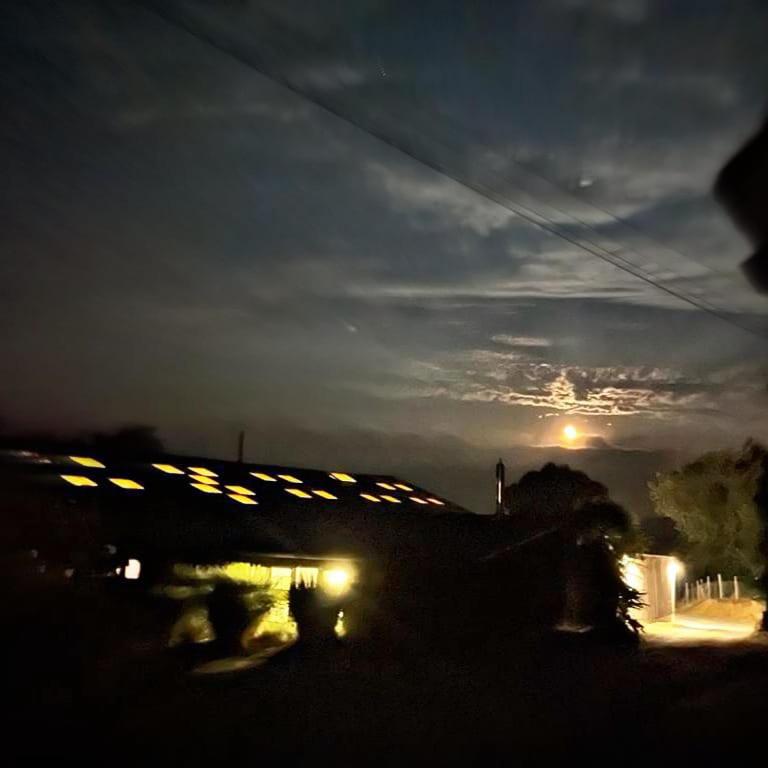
554,698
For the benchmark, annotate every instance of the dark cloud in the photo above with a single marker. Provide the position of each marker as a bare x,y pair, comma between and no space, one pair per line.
191,245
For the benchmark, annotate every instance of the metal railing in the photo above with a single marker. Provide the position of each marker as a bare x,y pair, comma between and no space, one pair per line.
710,588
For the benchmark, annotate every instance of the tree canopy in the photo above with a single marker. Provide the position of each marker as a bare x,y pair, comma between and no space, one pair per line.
712,501
560,497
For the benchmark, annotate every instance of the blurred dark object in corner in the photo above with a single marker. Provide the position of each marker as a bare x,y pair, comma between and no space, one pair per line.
742,188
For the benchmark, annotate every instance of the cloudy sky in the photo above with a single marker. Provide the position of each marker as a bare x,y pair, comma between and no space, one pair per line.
191,244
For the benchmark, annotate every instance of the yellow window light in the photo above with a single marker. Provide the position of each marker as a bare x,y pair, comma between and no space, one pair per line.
86,462
403,487
128,485
418,500
387,486
370,497
202,471
206,488
436,502
265,477
169,469
290,479
298,492
204,480
391,499
79,480
241,499
239,489
343,477
324,494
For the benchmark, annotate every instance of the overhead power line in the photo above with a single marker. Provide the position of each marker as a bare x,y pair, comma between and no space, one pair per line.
258,63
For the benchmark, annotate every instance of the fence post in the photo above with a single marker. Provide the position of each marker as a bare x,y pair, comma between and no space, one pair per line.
709,588
720,586
735,587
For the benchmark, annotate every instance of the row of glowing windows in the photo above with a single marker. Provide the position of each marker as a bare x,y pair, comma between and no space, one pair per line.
204,481
240,493
202,471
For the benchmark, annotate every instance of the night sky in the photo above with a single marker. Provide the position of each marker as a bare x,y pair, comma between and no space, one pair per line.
188,244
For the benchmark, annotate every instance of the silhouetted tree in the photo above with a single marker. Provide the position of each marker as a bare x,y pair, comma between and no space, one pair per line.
552,495
594,532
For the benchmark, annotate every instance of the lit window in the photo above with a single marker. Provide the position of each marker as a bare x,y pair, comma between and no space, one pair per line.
290,479
169,469
324,495
387,486
370,497
262,476
391,499
435,501
78,480
403,487
239,489
205,488
204,480
343,477
86,462
418,500
202,471
124,482
242,499
298,492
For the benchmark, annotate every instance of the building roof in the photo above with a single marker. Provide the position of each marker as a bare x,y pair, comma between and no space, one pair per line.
205,505
256,486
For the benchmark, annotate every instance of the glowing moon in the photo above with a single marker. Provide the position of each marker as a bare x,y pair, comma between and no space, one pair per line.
570,433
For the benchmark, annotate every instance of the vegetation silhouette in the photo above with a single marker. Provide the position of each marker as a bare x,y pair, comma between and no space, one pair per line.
714,504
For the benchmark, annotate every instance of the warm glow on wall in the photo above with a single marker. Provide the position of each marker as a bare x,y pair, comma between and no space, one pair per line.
128,485
79,480
343,477
202,471
169,469
86,462
324,494
262,476
298,492
205,488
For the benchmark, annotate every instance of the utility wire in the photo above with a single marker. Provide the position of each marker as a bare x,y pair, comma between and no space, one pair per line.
540,221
